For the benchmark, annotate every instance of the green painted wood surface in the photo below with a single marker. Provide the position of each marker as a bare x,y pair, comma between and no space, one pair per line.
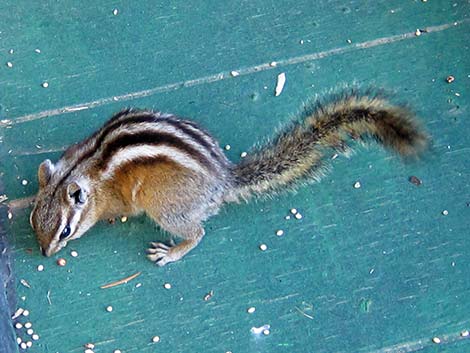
379,268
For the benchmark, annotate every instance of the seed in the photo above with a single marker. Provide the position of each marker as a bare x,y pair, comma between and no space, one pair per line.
89,345
29,344
109,308
11,51
281,81
243,154
117,351
17,313
293,211
19,325
273,64
61,262
115,12
280,233
23,345
123,219
349,41
26,313
18,340
464,333
40,268
24,182
88,351
258,330
45,84
298,216
415,180
167,286
357,185
209,295
9,64
10,215
30,331
445,212
155,339
227,147
263,247
287,217
27,285
234,73
35,337
436,340
266,332
73,253
450,79
251,310
417,32
37,50
28,325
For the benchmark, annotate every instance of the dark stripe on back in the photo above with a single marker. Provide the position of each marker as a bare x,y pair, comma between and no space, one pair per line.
153,139
120,119
148,117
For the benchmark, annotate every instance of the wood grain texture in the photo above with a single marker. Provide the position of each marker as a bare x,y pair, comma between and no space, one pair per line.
379,268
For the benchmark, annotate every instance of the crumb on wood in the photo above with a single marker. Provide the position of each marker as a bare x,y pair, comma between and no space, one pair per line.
26,284
209,295
415,180
281,81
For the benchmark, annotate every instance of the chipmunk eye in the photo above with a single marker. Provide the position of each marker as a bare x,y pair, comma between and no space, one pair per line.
65,233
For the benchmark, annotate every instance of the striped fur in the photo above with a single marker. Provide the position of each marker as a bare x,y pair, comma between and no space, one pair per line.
132,128
298,152
169,168
128,139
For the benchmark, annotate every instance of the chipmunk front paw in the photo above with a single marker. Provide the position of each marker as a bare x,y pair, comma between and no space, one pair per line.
159,253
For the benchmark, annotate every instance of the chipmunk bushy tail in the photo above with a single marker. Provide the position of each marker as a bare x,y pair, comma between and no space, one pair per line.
298,152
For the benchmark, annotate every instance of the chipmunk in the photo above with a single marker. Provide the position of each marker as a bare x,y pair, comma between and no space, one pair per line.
148,162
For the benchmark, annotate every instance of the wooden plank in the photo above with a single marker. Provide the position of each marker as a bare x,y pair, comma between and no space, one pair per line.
379,268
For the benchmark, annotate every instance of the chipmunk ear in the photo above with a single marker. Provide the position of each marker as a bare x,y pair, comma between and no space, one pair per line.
45,171
77,192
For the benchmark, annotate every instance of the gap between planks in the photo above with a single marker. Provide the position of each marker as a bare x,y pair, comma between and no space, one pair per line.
227,75
25,202
420,344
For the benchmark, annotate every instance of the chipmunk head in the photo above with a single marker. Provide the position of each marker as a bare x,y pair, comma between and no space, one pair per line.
60,208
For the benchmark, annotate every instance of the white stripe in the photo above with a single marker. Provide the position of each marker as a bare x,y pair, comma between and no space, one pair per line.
160,127
135,152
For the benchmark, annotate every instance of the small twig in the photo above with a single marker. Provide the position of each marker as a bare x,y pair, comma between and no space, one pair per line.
304,314
48,296
121,281
25,283
20,203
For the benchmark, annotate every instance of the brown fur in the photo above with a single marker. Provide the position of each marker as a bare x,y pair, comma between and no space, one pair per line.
297,152
180,193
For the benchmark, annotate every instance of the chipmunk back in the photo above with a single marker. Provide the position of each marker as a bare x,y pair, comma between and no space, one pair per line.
176,173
